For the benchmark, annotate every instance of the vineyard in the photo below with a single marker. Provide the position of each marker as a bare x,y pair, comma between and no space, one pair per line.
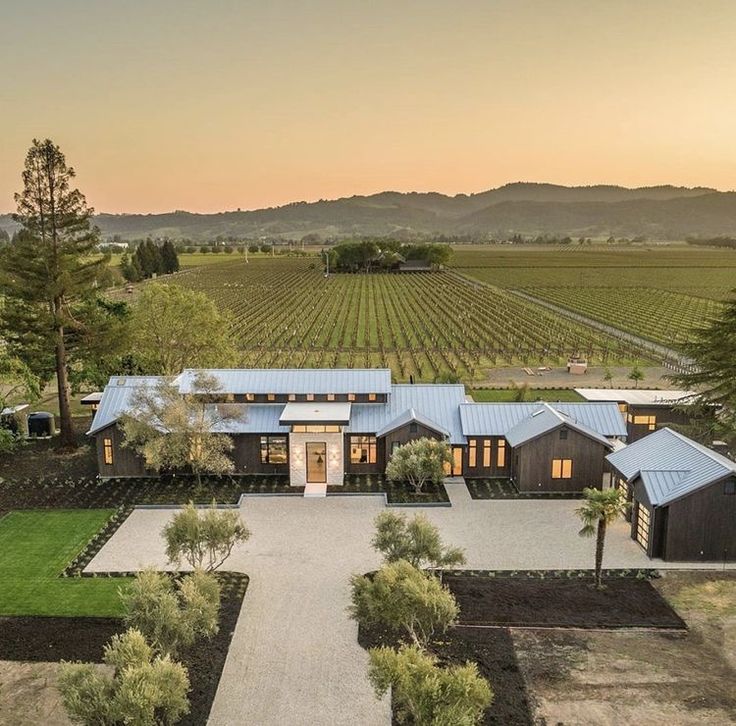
430,326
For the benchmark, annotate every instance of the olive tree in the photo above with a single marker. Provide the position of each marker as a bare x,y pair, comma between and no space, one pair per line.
401,597
415,540
420,461
425,693
172,618
144,689
204,538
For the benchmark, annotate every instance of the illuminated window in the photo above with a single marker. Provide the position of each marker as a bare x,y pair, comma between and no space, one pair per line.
472,453
330,396
487,453
107,450
250,397
310,397
562,468
271,396
501,454
623,407
362,449
351,396
292,396
371,396
315,429
230,397
649,421
643,522
274,450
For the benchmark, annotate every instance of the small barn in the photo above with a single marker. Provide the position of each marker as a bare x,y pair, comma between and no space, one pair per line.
682,495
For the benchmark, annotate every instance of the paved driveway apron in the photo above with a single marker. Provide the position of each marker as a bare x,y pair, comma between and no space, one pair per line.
294,658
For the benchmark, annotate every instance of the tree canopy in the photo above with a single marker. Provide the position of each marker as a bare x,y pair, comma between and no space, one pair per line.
420,461
380,255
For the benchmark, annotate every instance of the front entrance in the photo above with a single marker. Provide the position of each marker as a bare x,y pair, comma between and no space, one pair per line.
316,462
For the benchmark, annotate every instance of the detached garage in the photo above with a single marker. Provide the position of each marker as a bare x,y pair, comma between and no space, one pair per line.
683,497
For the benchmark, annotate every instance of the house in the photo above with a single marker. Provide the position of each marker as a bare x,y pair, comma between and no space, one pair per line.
645,410
683,497
315,426
558,447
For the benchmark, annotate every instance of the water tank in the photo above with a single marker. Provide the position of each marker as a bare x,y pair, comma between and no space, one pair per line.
41,423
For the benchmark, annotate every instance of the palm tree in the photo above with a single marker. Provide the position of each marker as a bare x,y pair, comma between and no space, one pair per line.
601,508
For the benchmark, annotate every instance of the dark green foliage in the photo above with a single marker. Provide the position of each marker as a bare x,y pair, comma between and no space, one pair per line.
377,255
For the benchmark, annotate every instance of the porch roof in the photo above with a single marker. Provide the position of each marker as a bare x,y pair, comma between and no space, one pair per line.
313,412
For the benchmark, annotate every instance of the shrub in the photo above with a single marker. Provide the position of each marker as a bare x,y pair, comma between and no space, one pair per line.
401,597
417,541
419,462
424,693
204,538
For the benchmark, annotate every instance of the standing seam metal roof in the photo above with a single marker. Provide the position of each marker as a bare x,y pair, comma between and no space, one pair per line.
116,399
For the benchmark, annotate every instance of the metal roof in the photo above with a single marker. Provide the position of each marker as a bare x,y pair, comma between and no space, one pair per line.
116,399
670,465
496,419
292,380
249,418
637,396
436,402
409,416
300,413
544,420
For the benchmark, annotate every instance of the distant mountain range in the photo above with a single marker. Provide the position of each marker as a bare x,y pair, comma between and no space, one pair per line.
661,212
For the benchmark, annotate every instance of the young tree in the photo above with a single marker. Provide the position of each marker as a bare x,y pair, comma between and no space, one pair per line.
172,618
144,689
608,377
52,266
425,693
179,431
417,541
174,328
419,462
636,375
600,508
401,597
204,538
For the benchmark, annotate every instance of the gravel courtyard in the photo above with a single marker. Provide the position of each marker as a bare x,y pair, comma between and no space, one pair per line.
294,657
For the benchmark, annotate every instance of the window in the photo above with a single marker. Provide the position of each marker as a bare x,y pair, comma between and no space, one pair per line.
271,396
107,450
472,453
351,396
649,421
412,428
292,396
315,429
250,397
501,455
562,468
230,397
274,450
310,397
330,396
371,396
643,522
623,407
362,449
487,453
394,446
563,434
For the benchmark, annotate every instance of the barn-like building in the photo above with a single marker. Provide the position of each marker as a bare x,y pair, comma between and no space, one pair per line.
683,497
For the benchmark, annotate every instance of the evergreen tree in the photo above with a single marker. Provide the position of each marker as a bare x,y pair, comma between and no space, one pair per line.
170,258
49,270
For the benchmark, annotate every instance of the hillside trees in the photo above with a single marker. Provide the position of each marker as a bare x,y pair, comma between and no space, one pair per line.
49,276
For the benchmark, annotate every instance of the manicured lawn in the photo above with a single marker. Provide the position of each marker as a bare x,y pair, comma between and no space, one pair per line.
35,547
504,395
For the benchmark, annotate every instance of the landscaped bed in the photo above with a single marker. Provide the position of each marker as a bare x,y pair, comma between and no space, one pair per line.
396,492
499,488
625,602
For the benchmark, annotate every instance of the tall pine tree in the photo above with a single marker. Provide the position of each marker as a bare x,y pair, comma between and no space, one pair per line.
49,270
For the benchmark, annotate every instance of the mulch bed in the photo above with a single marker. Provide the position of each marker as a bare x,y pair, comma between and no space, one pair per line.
492,651
399,493
41,639
626,602
506,489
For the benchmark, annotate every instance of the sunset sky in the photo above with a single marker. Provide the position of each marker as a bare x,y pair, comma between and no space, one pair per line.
206,106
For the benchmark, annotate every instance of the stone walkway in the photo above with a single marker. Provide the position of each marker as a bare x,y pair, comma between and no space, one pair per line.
294,658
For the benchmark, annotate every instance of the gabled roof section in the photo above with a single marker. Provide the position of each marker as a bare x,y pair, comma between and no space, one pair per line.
670,465
544,420
116,399
411,416
497,419
291,380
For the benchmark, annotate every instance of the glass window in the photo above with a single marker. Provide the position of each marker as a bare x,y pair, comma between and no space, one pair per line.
487,453
271,396
330,396
642,525
250,397
274,450
472,453
315,429
562,468
351,396
107,450
649,421
292,396
412,428
563,434
362,449
310,397
501,455
371,396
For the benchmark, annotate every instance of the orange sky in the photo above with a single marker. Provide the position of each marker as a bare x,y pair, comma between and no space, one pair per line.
206,106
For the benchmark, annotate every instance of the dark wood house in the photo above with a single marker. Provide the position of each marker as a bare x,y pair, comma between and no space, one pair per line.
682,495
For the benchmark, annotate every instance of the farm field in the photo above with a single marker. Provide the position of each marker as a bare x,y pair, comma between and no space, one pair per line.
429,326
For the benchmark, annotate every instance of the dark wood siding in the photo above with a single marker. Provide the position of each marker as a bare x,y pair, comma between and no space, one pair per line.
402,436
532,469
479,470
246,454
702,526
125,462
664,415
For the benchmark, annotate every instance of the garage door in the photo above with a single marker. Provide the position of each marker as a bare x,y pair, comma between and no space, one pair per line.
643,524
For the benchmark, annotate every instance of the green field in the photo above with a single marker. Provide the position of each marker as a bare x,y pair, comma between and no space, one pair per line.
35,547
505,395
286,313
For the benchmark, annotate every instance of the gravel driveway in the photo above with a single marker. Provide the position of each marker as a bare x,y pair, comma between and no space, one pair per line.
294,658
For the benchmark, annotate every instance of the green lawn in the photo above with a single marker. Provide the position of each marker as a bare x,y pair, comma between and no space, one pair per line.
35,547
504,395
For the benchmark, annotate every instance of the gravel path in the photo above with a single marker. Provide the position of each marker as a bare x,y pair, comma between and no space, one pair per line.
294,658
